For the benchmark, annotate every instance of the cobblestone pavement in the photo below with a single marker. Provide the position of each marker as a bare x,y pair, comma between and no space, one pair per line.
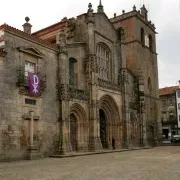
162,163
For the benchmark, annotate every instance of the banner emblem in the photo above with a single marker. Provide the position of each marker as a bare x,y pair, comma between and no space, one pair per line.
34,84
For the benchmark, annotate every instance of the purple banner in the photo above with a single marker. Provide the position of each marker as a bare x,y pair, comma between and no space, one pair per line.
34,84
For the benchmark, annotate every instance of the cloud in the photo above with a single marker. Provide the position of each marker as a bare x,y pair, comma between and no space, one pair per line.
164,13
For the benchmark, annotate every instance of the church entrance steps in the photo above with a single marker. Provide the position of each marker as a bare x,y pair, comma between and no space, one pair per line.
75,154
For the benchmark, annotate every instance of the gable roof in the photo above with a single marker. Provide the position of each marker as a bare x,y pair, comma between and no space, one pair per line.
30,37
168,90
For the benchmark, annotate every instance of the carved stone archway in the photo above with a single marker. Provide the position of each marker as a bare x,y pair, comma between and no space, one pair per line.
79,126
109,122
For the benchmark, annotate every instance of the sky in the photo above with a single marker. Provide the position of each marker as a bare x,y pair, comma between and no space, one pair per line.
165,14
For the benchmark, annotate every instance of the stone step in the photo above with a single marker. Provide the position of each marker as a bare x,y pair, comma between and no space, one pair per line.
75,154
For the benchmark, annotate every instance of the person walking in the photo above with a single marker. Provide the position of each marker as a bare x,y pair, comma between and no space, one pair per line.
113,143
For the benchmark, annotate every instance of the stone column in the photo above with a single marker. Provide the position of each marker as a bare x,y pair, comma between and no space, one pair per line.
142,111
125,105
31,128
63,82
92,71
32,152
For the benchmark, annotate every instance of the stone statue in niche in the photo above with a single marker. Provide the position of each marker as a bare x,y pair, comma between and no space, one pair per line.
71,27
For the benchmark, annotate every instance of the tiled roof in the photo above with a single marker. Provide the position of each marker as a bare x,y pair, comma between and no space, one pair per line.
53,27
29,36
168,90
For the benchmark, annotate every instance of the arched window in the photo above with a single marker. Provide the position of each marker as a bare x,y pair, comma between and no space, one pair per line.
104,61
150,43
121,34
149,84
72,61
142,37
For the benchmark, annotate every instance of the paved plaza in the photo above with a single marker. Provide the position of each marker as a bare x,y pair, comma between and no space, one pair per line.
162,163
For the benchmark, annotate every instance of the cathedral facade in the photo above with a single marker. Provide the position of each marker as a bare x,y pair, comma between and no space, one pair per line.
94,80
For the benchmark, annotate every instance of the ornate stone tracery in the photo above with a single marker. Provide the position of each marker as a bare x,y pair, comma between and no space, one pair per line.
104,61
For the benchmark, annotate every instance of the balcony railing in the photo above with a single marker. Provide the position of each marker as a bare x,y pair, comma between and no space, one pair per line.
22,80
108,84
74,93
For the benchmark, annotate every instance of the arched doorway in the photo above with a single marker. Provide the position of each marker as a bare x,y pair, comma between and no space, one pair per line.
78,128
73,132
103,129
109,122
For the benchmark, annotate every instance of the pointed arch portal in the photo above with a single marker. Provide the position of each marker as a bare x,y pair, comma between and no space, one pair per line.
109,122
103,126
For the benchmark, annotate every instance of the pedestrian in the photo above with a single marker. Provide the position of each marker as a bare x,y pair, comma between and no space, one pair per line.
113,143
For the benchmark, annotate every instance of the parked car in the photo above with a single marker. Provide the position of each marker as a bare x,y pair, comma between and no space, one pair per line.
175,138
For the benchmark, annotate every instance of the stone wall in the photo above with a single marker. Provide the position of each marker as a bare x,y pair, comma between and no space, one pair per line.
14,126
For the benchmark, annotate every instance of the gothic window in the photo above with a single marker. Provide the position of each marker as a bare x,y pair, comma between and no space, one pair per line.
104,61
142,37
72,61
150,43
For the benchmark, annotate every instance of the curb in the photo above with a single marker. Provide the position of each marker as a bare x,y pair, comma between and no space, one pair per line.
97,152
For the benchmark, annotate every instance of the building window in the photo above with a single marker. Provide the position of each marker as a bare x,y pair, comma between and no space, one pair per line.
170,102
104,61
72,80
121,34
171,117
142,37
30,101
179,106
29,67
164,117
164,103
150,43
178,94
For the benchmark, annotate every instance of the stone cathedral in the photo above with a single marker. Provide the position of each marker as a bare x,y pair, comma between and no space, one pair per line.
98,81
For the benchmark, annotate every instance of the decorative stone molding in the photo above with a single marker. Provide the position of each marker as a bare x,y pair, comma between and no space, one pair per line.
74,93
31,50
108,84
28,117
62,42
90,16
71,27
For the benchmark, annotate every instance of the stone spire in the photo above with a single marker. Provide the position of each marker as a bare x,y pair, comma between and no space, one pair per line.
90,16
27,26
134,8
144,12
100,7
